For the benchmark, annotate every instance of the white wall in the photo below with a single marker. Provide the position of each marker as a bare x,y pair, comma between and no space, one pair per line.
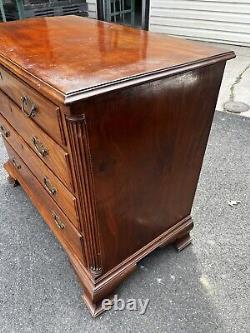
92,8
224,21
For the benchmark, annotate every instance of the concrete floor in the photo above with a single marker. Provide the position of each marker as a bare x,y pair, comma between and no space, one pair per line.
203,289
233,69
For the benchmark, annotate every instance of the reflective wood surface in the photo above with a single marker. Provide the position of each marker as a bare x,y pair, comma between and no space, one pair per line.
74,54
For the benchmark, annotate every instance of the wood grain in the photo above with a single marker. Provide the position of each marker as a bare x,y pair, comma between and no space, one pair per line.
147,145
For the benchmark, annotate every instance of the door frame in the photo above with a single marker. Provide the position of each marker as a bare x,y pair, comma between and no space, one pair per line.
145,12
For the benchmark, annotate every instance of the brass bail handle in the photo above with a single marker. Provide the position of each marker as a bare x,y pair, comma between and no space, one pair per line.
4,131
39,147
16,165
58,221
28,107
50,188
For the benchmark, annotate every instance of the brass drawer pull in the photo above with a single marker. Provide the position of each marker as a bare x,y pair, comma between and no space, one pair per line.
51,189
16,165
42,151
4,131
28,107
58,221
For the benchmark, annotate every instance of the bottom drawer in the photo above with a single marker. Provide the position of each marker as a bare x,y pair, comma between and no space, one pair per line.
65,232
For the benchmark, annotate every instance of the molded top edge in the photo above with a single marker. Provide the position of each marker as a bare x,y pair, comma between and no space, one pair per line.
70,58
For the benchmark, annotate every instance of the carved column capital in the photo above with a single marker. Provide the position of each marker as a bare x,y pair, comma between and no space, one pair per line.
76,118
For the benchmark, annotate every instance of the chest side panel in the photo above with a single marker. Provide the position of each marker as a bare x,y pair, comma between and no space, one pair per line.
146,148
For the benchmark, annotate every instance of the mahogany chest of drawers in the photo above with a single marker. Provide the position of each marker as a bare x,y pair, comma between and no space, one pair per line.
106,128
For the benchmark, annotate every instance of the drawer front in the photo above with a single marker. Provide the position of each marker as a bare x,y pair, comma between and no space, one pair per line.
33,106
4,103
48,151
62,196
53,215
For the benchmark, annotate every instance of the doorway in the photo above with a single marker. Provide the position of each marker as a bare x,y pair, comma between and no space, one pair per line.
128,12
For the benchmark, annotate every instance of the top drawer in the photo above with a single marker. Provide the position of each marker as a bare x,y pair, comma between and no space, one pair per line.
39,109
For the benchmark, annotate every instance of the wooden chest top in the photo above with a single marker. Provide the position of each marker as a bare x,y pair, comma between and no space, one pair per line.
71,57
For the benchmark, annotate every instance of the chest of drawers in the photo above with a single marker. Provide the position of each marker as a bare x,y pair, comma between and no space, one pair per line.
106,128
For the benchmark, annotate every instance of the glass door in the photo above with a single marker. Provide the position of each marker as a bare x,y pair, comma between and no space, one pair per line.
128,12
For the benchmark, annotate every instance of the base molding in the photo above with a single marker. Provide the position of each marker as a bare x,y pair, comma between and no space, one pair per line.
182,242
94,309
98,288
104,287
